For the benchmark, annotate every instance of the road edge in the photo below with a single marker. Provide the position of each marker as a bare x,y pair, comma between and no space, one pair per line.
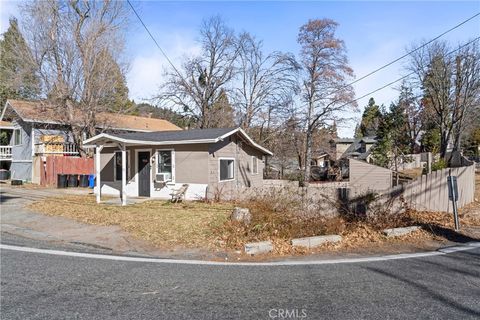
442,251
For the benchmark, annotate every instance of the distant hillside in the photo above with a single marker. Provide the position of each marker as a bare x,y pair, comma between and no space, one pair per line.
148,110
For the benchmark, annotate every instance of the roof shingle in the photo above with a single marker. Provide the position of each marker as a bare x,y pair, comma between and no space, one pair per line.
40,111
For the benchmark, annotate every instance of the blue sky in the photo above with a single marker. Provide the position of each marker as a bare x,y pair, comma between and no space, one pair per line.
374,32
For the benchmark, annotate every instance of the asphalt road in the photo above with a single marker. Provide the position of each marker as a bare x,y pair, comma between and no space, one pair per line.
41,286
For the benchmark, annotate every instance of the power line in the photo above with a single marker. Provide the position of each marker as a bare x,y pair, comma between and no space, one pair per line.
404,77
407,54
154,40
351,83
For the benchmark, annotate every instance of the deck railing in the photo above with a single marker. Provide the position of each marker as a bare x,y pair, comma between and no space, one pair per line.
6,152
60,148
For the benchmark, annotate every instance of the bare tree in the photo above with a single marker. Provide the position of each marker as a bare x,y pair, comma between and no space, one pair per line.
466,96
266,83
325,92
76,45
203,80
450,81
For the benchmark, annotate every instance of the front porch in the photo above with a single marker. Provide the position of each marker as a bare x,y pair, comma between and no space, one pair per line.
140,171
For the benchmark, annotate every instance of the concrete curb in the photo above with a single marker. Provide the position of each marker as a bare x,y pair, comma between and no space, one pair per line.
397,232
258,247
313,242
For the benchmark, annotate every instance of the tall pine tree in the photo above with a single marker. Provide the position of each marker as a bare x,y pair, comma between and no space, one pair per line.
18,71
370,120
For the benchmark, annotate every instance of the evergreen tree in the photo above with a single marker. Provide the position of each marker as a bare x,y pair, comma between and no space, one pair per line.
393,138
222,114
370,120
178,119
18,71
116,99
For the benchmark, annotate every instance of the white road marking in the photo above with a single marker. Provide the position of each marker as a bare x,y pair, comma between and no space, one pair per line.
467,246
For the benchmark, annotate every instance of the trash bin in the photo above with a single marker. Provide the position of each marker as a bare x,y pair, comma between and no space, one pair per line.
16,182
83,181
73,180
91,181
4,174
61,180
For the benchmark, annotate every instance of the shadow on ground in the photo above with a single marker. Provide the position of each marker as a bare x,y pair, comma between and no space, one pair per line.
4,198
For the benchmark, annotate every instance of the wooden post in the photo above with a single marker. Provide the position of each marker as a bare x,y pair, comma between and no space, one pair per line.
124,175
98,149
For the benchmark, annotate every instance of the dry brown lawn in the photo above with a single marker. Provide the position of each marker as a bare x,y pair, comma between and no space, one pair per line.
162,223
207,225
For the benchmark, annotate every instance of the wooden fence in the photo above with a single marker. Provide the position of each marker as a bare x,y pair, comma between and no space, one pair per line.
430,192
52,166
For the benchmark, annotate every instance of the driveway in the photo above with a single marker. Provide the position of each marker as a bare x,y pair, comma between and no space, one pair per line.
18,220
45,286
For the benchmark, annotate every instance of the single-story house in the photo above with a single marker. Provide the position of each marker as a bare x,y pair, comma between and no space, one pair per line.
35,129
215,163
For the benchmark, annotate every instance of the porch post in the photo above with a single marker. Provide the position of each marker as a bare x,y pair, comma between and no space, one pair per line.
124,175
98,149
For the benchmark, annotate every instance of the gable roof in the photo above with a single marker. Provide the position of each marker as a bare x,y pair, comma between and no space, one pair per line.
354,149
6,125
40,112
173,137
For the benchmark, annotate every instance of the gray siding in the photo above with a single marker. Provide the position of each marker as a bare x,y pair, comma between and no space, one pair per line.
21,167
199,164
244,178
191,162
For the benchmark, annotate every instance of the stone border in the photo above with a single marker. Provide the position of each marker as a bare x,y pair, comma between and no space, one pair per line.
397,232
258,247
313,242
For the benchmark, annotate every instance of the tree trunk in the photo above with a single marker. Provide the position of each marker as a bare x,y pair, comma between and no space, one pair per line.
308,157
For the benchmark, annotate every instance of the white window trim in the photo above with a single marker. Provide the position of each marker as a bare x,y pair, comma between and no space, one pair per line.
234,169
14,137
173,163
115,165
252,172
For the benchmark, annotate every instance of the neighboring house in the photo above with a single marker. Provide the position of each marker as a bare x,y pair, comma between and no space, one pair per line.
357,148
215,163
36,130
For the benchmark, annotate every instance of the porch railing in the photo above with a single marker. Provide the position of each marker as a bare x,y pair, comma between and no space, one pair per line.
6,152
59,148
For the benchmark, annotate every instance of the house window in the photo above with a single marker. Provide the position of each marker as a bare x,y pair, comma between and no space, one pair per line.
254,165
17,137
118,165
165,165
227,169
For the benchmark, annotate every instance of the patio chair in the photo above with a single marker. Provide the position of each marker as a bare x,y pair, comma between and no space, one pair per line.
179,194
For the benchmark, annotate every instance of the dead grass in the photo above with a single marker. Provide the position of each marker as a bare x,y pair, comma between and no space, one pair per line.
202,225
163,224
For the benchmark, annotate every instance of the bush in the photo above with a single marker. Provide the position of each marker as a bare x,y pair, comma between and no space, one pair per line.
439,165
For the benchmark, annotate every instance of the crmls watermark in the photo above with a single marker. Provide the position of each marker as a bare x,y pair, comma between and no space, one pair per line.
293,313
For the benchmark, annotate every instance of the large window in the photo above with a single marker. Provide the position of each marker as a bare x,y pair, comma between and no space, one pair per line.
166,164
118,165
254,165
17,137
227,169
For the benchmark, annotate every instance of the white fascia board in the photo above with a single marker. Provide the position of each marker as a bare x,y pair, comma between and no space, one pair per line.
91,142
245,135
4,109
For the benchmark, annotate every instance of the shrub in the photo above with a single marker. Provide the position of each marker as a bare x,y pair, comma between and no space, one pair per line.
439,165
